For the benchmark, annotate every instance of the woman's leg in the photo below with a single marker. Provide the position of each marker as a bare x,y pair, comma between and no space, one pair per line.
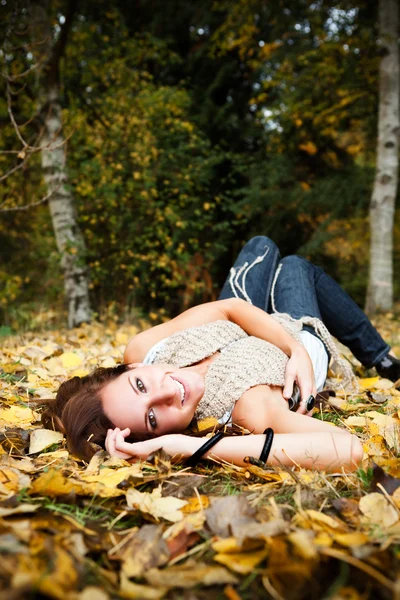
252,275
303,288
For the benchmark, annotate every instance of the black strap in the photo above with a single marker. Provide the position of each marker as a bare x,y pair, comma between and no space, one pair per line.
269,436
194,459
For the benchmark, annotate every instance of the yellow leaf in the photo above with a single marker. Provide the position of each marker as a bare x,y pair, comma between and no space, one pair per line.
18,415
368,383
225,545
152,503
70,360
309,147
195,504
110,478
53,483
11,480
313,519
121,338
243,562
351,540
302,541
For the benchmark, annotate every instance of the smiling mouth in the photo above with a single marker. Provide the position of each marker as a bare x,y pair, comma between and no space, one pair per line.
181,390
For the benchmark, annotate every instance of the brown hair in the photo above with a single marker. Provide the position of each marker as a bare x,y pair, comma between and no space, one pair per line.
78,412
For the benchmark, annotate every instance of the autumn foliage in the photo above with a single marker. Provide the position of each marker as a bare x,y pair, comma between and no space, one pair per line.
190,128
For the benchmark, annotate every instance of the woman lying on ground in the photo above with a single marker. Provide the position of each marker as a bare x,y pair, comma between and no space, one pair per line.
234,362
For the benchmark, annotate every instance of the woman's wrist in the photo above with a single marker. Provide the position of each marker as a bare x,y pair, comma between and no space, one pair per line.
178,443
295,347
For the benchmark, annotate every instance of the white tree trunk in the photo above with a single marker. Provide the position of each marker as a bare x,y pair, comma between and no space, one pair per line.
380,284
68,236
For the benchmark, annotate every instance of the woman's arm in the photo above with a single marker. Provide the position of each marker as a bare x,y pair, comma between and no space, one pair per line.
323,451
252,320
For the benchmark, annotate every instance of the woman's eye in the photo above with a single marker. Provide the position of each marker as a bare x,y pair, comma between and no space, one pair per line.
152,419
140,386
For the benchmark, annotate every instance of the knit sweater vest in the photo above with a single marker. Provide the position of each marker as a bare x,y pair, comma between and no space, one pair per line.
242,361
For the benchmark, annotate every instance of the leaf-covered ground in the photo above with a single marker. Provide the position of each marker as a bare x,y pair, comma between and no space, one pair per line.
111,529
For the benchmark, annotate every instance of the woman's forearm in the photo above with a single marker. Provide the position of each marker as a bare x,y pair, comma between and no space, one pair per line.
321,451
258,323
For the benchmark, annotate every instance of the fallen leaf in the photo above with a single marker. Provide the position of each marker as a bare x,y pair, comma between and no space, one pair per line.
243,562
389,483
319,521
349,510
146,549
18,415
225,511
92,593
303,543
351,540
368,383
20,509
377,510
70,360
189,575
156,506
136,591
12,480
43,438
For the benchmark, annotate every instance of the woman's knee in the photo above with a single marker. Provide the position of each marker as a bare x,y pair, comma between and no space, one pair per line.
259,244
296,261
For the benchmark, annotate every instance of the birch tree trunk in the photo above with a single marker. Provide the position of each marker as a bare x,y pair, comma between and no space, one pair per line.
69,239
380,284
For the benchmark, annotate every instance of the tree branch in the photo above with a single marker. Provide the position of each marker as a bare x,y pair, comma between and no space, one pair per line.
27,206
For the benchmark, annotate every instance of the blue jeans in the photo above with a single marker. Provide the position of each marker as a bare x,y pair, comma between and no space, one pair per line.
301,289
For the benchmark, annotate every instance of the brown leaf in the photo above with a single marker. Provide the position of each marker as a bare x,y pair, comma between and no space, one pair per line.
145,550
226,511
386,481
349,510
14,439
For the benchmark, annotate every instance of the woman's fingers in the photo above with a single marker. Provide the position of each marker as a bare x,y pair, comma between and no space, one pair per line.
289,383
114,440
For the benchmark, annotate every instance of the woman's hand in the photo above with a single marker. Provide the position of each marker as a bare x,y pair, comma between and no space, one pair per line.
299,369
173,443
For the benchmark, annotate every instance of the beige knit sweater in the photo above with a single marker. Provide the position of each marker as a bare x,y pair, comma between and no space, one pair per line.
242,361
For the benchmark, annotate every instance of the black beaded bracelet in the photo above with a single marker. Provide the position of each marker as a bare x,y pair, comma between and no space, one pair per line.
194,459
269,436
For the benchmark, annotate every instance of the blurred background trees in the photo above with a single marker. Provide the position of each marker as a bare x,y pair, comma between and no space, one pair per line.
189,128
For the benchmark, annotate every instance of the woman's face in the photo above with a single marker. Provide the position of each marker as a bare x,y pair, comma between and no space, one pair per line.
153,399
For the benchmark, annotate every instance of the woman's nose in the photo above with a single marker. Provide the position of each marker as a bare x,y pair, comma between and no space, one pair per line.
164,392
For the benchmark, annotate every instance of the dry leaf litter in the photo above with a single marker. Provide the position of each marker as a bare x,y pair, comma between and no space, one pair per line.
148,530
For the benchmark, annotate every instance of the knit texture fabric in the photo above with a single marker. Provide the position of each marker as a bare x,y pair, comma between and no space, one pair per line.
242,361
